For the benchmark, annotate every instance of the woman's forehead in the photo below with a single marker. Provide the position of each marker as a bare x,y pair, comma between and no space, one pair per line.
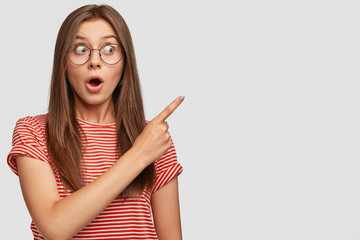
95,30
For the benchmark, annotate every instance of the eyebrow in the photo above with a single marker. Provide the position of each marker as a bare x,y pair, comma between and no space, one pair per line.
105,37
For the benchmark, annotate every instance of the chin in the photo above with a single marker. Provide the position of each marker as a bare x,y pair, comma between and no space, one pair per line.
95,100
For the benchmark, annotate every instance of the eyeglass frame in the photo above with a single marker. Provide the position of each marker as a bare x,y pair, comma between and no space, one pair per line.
91,49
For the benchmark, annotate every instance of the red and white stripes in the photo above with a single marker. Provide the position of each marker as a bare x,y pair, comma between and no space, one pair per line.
122,219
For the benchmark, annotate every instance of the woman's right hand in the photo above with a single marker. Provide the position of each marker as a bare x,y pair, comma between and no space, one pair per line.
154,141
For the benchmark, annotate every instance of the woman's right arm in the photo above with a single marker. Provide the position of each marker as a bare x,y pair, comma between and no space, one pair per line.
62,218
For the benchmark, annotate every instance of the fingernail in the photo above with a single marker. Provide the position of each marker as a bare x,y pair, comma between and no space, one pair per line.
181,98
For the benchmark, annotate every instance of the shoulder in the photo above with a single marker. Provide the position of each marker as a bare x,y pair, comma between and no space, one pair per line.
29,139
38,121
34,125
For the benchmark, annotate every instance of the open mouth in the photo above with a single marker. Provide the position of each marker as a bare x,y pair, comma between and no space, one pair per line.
95,82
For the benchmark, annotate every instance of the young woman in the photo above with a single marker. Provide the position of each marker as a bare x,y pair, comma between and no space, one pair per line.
93,168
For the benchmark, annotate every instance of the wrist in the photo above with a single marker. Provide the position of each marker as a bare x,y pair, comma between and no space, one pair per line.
139,159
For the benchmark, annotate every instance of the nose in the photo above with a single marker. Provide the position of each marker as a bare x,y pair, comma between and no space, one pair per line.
95,60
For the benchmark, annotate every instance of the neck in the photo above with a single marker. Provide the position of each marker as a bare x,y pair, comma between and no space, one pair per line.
101,113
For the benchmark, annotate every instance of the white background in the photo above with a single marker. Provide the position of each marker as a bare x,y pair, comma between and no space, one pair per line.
269,132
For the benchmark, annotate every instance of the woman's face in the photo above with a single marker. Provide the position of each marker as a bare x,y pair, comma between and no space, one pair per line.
93,82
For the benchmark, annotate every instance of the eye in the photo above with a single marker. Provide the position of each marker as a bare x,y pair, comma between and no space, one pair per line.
109,49
80,49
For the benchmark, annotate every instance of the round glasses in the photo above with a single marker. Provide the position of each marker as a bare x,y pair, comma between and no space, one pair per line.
110,54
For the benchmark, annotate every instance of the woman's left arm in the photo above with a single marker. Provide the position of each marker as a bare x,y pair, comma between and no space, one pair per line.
166,211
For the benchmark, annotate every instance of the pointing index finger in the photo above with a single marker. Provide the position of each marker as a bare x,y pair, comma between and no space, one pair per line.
169,109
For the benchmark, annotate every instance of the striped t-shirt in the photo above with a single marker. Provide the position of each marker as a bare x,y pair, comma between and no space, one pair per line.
121,219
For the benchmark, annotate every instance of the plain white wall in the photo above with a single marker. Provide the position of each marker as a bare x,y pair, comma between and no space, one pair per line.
269,131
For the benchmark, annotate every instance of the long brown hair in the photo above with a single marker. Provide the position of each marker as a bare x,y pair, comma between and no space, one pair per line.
62,129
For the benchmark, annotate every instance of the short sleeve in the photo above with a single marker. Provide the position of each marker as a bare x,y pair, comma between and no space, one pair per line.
167,167
29,140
